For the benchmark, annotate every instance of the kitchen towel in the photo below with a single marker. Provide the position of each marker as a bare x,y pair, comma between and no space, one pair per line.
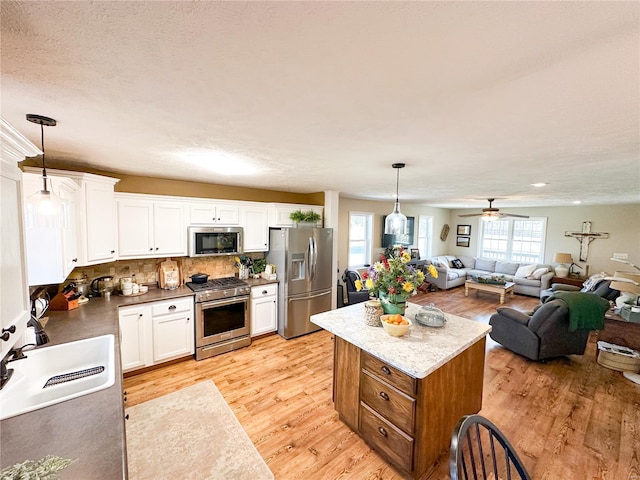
190,434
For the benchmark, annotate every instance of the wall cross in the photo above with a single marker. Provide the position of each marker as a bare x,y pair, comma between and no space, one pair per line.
585,237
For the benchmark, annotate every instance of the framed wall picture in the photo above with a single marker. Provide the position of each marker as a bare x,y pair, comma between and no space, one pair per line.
464,230
462,241
415,254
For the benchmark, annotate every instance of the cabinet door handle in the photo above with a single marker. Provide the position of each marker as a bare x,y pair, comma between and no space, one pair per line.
382,431
5,336
139,315
188,319
384,396
264,292
157,248
113,251
74,260
172,307
151,249
385,370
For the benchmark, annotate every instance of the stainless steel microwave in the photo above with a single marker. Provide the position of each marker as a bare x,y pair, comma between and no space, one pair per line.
211,241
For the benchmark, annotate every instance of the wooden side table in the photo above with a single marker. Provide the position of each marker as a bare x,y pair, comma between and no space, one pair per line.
620,331
575,281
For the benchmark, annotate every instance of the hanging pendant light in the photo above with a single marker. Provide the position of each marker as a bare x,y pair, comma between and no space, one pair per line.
44,205
396,222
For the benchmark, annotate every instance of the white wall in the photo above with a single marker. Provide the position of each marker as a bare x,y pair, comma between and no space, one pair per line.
621,222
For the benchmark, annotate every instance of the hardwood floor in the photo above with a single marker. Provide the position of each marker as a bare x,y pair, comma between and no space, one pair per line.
568,418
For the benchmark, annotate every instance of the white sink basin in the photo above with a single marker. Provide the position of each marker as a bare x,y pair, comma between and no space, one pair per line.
91,362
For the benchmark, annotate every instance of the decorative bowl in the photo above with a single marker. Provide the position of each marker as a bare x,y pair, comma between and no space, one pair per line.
393,329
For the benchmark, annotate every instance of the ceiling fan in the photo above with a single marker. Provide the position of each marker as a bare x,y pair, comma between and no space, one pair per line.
492,213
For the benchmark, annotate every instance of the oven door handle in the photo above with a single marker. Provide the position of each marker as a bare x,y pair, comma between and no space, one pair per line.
220,303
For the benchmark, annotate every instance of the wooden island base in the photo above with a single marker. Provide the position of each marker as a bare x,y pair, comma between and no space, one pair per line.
407,420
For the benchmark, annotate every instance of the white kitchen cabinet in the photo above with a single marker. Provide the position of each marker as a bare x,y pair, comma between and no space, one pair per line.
264,309
255,223
210,213
96,232
135,336
14,294
52,247
156,332
173,329
151,228
280,212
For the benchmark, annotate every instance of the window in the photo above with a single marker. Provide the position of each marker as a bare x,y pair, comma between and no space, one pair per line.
360,235
513,240
425,235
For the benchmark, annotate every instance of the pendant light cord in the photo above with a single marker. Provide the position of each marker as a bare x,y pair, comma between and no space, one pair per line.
397,182
44,168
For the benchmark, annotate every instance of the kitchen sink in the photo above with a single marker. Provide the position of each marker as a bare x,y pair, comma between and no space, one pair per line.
51,375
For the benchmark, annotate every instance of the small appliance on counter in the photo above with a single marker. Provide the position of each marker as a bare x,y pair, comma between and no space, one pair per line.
101,285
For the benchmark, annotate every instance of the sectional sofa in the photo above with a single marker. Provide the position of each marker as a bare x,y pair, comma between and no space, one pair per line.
529,279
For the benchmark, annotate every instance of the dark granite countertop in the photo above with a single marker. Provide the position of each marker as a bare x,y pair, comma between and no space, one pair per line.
89,429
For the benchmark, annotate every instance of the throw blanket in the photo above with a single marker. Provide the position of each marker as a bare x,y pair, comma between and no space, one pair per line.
586,310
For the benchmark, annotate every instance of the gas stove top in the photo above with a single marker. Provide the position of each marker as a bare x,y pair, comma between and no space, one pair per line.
217,288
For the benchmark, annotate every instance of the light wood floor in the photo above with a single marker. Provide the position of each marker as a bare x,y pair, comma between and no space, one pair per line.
568,418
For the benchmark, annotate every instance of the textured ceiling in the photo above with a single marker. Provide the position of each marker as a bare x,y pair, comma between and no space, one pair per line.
479,99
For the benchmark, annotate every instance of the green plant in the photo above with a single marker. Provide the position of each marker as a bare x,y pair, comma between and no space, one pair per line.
300,216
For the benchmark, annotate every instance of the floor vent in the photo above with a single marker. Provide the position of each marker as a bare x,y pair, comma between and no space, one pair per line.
69,377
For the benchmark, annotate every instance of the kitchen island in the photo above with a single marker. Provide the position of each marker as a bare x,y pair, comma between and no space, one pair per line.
404,395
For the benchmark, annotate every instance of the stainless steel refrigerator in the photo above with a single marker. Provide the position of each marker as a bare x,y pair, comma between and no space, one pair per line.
303,259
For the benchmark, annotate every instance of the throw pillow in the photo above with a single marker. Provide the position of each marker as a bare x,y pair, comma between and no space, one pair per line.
537,274
524,271
457,263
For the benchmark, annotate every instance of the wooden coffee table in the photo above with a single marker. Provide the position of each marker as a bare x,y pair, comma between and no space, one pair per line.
489,287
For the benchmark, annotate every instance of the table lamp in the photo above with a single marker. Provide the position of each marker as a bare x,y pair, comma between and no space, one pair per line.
562,258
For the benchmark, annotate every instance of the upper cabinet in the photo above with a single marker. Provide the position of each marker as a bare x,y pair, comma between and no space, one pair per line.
214,213
151,227
52,243
255,222
280,213
95,215
14,294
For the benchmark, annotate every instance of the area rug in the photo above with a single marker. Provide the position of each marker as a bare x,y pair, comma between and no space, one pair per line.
190,434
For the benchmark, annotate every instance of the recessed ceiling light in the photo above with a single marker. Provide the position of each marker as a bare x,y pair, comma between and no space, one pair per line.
219,161
577,202
539,184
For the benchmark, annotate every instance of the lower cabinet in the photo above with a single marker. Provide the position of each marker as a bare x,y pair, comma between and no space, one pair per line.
156,332
264,309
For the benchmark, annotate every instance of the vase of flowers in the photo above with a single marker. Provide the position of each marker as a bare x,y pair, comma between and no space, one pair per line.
393,280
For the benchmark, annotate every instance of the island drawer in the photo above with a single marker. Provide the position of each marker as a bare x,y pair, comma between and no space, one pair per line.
386,438
403,382
388,401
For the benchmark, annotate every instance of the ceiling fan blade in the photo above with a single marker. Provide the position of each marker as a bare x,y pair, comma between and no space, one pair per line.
471,215
513,215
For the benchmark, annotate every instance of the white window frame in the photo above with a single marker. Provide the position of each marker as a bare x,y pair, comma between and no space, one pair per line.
367,240
505,247
425,236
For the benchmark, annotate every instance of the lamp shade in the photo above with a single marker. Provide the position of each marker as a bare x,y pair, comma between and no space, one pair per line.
631,286
562,258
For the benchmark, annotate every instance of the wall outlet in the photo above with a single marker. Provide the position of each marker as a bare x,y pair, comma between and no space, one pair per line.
621,256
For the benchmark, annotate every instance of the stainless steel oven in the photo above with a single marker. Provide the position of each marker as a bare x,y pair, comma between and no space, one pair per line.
222,316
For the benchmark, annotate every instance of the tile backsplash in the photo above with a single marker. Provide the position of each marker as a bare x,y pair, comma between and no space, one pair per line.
146,269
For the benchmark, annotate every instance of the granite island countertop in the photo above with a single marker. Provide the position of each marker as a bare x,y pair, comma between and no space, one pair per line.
419,352
89,429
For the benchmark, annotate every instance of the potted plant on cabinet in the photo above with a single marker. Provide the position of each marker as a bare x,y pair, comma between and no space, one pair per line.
305,219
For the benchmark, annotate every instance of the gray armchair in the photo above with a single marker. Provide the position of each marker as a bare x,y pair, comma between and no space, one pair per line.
544,334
